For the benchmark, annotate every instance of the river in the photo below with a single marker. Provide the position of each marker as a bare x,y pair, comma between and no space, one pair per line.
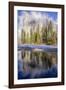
36,63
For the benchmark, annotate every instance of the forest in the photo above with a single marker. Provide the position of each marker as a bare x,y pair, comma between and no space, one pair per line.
40,31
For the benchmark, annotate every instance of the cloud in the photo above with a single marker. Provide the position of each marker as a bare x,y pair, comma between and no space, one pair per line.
33,17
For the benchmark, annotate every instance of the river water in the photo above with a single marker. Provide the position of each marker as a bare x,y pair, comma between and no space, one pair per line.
36,64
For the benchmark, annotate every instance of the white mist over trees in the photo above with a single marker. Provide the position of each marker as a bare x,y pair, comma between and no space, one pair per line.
36,28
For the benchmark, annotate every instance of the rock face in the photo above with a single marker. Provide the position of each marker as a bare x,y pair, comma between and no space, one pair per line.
37,28
37,45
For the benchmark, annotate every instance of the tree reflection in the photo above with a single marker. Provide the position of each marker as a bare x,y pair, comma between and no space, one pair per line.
38,59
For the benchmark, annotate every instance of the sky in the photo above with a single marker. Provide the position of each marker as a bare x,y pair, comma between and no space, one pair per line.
35,15
53,15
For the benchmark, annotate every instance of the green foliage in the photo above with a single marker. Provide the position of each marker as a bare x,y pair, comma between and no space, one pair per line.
47,35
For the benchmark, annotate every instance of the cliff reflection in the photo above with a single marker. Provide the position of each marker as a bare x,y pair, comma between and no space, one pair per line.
32,63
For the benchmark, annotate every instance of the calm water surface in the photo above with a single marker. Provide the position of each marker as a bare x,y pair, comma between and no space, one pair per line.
36,64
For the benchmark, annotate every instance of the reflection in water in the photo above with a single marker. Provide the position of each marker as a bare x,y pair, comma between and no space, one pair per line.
36,64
